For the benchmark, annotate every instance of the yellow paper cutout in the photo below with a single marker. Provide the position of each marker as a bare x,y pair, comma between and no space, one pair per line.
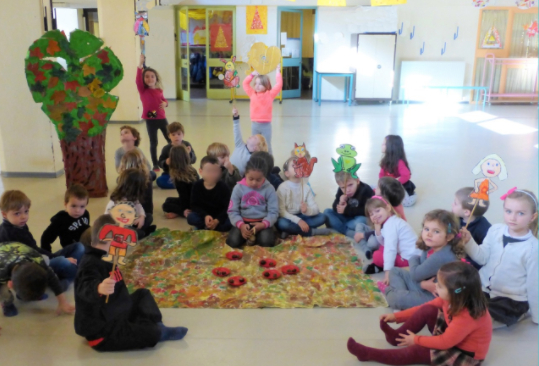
256,20
220,41
387,2
331,2
492,39
264,59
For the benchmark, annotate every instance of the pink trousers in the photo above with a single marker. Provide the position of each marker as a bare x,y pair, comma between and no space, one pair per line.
378,259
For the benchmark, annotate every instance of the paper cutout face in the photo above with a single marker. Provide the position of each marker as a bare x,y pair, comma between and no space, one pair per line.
490,167
234,255
230,77
303,168
264,59
290,269
221,271
120,238
346,161
123,213
271,274
237,281
267,262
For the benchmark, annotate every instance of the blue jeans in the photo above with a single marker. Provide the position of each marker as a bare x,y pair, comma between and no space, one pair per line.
164,181
64,269
197,220
294,229
346,225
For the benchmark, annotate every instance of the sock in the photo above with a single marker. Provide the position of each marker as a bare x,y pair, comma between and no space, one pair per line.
322,231
427,316
358,350
9,310
391,334
401,356
171,333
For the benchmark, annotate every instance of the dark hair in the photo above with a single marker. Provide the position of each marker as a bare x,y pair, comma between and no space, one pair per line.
267,158
391,189
77,191
29,281
394,153
175,127
134,132
209,160
257,164
131,186
86,237
463,195
180,167
97,226
464,287
445,219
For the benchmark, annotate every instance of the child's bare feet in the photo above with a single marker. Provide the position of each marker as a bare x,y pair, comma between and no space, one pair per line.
171,215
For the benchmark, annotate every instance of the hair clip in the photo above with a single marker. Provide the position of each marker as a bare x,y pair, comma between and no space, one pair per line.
449,228
459,290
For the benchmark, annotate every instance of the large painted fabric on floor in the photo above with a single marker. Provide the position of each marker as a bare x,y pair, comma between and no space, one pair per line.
177,267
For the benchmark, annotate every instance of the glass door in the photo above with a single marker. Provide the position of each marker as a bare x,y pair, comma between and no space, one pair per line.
184,89
220,36
291,24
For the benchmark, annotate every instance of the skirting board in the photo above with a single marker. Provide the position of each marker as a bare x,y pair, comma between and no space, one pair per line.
32,174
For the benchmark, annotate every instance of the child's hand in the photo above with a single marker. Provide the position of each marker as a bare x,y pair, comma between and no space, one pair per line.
303,207
430,286
465,235
189,149
343,199
163,105
259,227
228,165
340,208
167,161
186,212
254,73
388,318
386,278
278,69
72,260
377,229
304,226
106,287
208,221
359,237
214,224
406,340
139,222
245,231
141,61
235,112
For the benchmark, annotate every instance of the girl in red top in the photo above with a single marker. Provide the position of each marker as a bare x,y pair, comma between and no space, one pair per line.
394,164
262,96
458,319
150,89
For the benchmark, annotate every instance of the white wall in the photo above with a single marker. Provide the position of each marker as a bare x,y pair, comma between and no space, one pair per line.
67,20
160,47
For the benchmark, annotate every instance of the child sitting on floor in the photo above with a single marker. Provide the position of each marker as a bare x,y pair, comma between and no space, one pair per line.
68,224
23,270
273,178
184,176
135,160
394,164
509,257
176,133
230,174
440,244
130,139
15,207
458,320
253,208
298,211
209,198
108,316
243,150
396,237
349,205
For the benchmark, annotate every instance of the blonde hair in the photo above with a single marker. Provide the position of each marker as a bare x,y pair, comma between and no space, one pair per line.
14,200
341,177
264,81
451,226
134,159
503,172
262,144
158,82
180,165
218,150
528,196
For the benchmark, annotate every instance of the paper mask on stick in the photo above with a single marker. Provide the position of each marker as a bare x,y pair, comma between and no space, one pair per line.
230,77
264,59
303,168
141,28
491,166
347,160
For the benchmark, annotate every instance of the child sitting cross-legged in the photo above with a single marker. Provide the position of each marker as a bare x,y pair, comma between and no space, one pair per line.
440,244
209,198
176,134
108,316
230,174
459,321
299,213
253,208
274,179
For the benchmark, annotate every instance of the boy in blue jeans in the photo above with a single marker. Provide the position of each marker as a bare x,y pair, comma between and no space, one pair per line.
15,207
349,205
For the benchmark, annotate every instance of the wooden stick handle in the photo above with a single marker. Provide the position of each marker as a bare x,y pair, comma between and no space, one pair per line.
473,209
114,263
301,190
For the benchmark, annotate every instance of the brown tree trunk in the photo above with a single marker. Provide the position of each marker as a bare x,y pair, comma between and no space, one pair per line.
84,163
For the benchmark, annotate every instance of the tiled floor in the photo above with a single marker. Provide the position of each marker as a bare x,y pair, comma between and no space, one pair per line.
443,144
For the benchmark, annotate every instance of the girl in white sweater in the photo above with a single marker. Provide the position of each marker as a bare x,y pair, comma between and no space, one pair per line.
396,237
299,215
509,257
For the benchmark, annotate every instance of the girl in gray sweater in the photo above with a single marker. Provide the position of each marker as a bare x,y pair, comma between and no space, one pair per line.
440,244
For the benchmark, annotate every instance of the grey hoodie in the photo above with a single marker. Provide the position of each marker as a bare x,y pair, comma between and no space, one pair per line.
241,155
253,204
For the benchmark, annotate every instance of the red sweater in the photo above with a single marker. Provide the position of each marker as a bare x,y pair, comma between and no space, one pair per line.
262,103
151,98
463,331
403,173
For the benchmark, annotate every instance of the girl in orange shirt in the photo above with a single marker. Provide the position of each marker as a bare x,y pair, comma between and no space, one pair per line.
458,319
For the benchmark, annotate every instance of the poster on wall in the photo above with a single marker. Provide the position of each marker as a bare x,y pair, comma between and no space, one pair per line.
492,39
525,4
257,20
331,2
480,3
387,2
220,37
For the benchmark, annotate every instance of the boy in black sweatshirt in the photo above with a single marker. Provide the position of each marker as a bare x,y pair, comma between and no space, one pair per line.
349,205
126,321
210,198
68,224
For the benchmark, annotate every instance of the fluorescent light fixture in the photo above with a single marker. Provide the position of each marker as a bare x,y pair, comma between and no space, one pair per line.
476,116
506,127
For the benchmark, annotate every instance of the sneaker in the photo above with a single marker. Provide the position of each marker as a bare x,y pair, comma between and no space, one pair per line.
156,169
381,286
9,310
371,269
150,229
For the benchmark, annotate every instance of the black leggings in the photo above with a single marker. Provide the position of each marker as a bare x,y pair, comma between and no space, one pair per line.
264,238
152,125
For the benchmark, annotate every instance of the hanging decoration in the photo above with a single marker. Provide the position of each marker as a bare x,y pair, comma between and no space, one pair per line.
142,29
220,37
492,39
256,20
525,4
531,29
387,2
480,3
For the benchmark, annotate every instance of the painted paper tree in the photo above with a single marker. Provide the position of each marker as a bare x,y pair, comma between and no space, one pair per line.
257,22
76,100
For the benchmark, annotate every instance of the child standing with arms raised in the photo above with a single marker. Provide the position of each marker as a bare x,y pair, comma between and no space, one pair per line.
150,89
262,96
